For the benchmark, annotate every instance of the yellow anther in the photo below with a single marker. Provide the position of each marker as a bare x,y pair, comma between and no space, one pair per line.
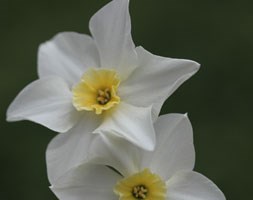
104,96
140,191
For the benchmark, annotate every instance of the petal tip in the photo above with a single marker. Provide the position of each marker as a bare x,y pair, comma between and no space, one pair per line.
196,65
148,145
9,118
10,115
186,115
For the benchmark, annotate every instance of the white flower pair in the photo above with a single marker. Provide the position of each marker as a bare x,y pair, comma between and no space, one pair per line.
104,84
163,174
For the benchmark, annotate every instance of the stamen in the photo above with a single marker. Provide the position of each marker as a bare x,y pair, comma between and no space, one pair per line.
140,192
103,96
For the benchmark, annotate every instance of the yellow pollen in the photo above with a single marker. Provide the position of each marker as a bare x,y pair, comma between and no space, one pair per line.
140,192
141,186
97,91
103,96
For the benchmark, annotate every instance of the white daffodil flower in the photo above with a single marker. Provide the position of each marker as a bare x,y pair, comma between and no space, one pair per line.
164,174
104,78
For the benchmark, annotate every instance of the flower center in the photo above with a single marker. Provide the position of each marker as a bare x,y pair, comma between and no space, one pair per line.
103,96
141,186
140,191
97,91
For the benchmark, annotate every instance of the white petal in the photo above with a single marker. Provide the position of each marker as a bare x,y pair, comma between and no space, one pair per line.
116,152
70,149
174,148
192,186
132,123
67,55
155,79
91,182
111,29
45,101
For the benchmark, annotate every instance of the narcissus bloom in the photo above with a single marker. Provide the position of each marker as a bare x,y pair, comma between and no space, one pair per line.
118,87
164,174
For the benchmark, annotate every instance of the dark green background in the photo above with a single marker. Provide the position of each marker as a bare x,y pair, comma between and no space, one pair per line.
216,33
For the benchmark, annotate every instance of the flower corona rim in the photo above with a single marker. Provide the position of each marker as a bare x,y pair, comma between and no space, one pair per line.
144,185
97,90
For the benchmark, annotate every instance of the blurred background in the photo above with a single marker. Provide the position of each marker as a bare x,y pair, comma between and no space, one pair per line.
216,33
